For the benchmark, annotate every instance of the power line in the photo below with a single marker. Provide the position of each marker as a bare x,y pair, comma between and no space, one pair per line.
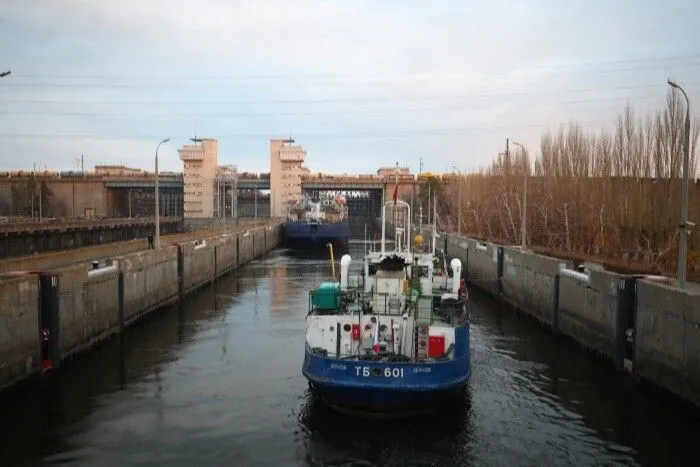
308,136
286,76
150,84
340,100
462,108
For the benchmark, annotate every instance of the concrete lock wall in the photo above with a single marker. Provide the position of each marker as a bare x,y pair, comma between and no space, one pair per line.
226,254
88,304
245,247
588,309
150,278
595,309
20,355
482,266
667,338
274,237
258,242
529,283
198,261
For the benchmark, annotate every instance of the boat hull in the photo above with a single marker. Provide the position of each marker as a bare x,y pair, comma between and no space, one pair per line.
385,388
307,234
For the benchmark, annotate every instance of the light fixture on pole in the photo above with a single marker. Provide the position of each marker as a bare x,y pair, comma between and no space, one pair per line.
523,220
157,198
683,223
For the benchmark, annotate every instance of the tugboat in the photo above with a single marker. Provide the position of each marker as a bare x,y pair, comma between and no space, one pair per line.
316,223
394,341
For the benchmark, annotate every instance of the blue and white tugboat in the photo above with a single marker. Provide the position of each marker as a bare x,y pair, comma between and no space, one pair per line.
394,341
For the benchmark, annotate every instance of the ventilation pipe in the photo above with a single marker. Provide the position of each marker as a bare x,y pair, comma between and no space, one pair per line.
456,266
344,269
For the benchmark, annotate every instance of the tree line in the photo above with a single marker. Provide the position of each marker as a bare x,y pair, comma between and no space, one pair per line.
611,194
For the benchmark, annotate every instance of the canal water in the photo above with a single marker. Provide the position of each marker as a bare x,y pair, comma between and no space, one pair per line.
217,381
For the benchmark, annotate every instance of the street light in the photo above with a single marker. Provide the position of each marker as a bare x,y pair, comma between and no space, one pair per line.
683,224
459,203
523,220
157,196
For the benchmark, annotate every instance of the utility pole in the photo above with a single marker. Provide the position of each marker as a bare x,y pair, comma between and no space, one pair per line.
255,200
421,218
33,188
683,224
39,199
430,218
34,192
156,196
523,221
218,200
459,203
234,197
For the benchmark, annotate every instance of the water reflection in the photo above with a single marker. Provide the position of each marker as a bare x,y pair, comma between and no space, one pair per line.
603,411
330,438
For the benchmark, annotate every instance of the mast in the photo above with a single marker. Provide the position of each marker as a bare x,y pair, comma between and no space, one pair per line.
383,227
409,225
434,222
365,243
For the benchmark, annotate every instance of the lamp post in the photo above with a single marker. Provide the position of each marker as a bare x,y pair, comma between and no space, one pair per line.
459,202
523,220
157,196
683,224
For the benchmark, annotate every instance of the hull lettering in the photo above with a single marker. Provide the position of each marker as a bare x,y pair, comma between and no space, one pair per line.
387,372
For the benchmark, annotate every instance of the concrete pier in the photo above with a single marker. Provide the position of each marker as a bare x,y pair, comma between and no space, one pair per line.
80,305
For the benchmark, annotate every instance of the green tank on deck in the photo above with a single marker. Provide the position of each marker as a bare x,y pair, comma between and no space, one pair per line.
326,296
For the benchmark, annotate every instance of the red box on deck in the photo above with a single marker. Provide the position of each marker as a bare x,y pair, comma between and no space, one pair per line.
356,332
436,346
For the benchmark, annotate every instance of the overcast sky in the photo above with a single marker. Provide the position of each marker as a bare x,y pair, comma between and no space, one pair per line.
358,84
